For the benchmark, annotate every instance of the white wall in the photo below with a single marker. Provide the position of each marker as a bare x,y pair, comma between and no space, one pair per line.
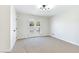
23,25
7,16
4,28
65,24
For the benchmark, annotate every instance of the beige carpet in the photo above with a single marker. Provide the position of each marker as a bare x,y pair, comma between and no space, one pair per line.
44,45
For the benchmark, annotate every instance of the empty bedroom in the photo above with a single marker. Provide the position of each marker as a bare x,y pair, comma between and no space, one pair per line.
39,28
47,28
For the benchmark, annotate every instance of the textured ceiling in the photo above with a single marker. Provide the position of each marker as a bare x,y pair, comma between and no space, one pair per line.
34,10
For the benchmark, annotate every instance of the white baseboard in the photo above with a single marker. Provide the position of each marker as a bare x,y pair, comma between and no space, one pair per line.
65,40
33,37
5,51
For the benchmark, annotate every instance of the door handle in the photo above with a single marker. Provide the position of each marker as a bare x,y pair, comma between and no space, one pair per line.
14,30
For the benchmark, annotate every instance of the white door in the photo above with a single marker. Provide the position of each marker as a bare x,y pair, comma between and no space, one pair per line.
13,26
34,28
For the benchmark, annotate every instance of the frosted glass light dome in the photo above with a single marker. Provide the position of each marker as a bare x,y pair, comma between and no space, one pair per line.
45,7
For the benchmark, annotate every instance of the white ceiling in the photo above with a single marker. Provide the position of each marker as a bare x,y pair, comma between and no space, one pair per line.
34,10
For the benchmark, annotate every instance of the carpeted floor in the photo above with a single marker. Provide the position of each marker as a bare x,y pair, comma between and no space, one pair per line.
44,45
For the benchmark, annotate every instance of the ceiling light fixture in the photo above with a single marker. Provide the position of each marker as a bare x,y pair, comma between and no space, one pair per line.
44,7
